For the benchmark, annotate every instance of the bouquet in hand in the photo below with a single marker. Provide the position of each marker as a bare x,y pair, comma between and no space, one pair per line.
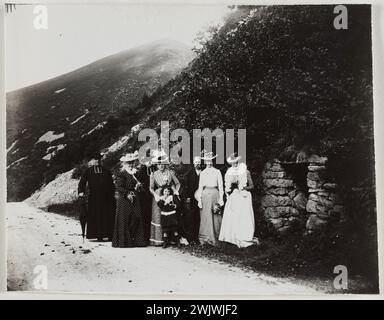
131,196
139,187
217,209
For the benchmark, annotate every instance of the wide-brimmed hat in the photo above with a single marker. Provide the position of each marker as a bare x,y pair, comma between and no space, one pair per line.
208,155
129,157
159,156
233,158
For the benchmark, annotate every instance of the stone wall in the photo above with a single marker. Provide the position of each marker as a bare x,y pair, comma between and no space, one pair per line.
285,201
323,201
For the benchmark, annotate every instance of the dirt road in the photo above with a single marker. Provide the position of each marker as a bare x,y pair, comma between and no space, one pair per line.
38,238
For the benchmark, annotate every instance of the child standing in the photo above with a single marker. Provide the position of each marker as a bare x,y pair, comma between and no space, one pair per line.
168,203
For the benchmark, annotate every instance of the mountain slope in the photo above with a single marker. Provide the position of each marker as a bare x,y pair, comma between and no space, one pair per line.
45,118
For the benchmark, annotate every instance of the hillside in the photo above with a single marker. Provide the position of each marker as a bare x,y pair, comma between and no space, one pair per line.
295,83
48,117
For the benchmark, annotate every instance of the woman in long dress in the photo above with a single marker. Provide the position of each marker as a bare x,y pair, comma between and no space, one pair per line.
209,195
129,230
238,224
158,179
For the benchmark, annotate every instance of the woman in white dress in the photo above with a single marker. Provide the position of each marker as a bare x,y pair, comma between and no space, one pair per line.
238,223
209,194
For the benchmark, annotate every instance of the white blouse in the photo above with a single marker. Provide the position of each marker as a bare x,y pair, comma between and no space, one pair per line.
211,178
236,175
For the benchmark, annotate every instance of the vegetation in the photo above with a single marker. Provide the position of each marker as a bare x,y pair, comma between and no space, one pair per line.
287,76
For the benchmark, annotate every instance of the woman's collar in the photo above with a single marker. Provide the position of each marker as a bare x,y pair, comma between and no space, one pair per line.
131,170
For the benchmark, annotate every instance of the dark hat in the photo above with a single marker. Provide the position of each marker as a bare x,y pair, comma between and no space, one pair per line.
97,156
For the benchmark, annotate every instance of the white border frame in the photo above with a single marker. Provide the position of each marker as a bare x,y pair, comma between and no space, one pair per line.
378,95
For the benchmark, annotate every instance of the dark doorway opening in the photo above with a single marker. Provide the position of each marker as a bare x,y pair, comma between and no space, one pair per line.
298,171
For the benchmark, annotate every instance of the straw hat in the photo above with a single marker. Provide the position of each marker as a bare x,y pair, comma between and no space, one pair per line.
129,157
208,155
233,158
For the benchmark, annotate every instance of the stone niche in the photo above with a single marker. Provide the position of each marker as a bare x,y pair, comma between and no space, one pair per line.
298,192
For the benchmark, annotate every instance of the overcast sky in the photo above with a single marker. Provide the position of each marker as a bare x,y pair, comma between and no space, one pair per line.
80,34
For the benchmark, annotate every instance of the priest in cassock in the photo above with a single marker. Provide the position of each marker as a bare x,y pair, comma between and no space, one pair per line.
192,218
98,184
145,197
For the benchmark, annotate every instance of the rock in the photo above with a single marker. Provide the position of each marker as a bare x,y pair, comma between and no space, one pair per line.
313,184
273,174
311,206
315,168
275,201
324,215
300,201
315,159
324,193
315,176
277,223
280,183
314,207
315,223
330,186
284,230
272,213
292,194
314,190
277,191
321,200
277,212
273,166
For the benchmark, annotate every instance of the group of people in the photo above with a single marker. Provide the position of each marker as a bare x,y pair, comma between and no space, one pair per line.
153,208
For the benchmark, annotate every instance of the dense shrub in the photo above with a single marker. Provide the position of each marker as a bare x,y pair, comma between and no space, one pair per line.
287,76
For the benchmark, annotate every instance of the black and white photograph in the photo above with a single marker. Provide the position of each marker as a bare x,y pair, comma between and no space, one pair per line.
190,149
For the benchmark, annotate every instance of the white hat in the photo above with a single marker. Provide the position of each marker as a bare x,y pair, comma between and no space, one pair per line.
129,157
159,156
233,158
208,155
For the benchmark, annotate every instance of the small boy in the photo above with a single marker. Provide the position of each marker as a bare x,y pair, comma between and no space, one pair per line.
168,204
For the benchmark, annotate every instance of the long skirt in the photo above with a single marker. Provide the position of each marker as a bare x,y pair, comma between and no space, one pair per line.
156,238
192,221
128,231
209,223
100,216
238,223
145,199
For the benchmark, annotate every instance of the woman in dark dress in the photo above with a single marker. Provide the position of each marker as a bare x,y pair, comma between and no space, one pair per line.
129,230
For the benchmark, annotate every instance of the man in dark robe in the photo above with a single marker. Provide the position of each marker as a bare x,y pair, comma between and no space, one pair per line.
192,219
145,197
98,184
